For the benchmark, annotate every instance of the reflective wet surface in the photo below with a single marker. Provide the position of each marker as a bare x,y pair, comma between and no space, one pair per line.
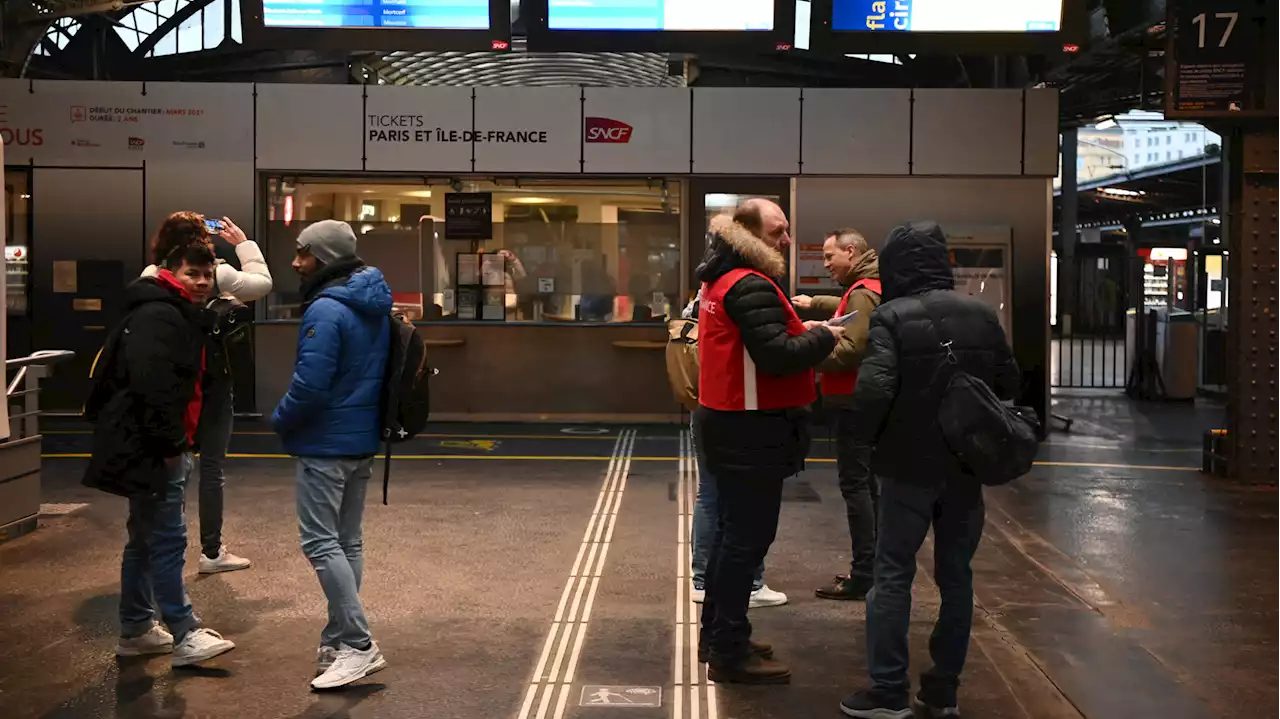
1114,581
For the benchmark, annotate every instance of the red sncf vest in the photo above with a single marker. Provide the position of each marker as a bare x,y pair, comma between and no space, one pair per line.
727,377
837,383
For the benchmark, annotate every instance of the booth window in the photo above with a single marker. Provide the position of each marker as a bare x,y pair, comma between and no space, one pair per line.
559,251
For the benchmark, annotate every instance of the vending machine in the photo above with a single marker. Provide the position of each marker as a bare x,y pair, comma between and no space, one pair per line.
982,264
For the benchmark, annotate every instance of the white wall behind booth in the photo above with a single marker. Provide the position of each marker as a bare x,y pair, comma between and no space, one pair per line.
654,131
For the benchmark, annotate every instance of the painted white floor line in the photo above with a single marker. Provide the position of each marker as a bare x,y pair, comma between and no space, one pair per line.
693,696
573,612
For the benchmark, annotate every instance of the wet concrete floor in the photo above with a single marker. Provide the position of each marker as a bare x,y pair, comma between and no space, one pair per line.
519,568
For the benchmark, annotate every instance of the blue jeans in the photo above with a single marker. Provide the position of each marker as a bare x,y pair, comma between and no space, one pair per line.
151,568
330,495
706,524
956,513
215,434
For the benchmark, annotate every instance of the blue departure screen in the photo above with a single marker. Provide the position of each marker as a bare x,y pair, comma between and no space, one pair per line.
723,15
947,15
427,14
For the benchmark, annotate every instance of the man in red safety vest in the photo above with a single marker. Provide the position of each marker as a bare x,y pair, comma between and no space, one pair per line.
755,384
855,266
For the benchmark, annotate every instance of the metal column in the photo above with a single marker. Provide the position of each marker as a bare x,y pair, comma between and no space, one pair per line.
1252,312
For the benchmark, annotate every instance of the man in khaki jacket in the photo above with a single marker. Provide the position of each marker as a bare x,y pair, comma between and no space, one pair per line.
856,267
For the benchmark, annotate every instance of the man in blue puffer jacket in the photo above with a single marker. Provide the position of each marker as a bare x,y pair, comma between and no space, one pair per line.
331,420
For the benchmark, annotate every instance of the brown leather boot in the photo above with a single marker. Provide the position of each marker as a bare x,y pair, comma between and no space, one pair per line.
753,669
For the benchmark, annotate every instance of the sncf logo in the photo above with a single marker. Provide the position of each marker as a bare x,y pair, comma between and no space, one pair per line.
602,129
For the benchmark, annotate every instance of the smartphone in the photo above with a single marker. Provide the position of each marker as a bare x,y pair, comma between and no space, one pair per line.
215,227
842,319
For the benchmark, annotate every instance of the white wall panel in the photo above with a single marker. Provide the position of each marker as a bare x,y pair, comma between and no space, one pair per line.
528,129
636,130
967,132
1040,155
122,124
310,127
417,129
746,131
856,132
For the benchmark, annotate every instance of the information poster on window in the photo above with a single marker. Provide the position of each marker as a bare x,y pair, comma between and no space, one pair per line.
468,302
493,270
811,273
468,216
468,268
495,304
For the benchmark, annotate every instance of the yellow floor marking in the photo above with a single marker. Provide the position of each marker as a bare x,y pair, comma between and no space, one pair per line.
602,458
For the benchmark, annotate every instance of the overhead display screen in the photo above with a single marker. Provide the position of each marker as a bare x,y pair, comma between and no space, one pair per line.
1007,16
422,14
660,15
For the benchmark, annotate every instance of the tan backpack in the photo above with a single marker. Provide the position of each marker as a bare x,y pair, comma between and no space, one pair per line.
682,361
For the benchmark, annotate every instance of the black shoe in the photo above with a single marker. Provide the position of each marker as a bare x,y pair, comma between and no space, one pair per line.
754,669
875,704
845,588
935,707
764,650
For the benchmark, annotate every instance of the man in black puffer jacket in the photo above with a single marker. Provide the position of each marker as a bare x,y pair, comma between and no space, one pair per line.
755,384
895,408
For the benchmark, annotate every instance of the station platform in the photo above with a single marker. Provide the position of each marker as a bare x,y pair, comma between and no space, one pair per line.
539,571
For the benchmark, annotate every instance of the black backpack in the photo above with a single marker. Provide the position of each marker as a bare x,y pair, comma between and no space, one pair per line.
994,441
406,390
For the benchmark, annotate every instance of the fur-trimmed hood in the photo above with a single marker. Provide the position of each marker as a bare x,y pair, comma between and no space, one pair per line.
731,246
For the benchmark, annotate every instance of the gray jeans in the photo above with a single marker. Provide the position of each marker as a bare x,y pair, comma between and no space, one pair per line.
331,496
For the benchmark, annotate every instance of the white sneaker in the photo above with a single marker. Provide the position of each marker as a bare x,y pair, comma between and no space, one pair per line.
200,645
324,659
224,562
350,665
155,641
697,595
766,597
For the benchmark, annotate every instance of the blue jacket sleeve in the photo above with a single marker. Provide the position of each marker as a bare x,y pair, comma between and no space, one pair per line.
319,347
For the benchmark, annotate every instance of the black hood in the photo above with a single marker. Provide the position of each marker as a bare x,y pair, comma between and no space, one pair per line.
732,246
915,260
149,289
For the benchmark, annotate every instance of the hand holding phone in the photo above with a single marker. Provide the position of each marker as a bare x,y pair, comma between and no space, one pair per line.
215,227
842,320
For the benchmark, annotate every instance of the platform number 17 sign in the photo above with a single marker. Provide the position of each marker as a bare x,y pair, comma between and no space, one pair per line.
1218,58
1202,22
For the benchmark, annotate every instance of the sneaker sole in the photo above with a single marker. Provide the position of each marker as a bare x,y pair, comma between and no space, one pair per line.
373,669
216,651
141,652
765,605
220,570
876,713
932,712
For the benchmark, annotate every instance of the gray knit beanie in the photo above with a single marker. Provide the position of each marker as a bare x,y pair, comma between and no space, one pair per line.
328,240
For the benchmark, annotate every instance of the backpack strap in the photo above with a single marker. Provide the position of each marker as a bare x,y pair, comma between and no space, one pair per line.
947,366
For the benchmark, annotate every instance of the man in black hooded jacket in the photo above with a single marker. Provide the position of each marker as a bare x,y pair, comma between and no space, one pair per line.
921,329
755,383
